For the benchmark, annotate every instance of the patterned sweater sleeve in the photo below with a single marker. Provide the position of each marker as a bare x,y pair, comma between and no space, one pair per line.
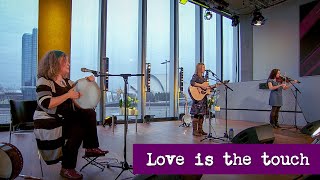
44,91
193,80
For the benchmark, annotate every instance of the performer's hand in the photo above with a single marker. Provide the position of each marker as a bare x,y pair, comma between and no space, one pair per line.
73,94
295,81
283,85
204,86
90,78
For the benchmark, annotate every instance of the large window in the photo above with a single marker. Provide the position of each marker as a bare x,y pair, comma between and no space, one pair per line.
122,50
209,38
158,55
18,52
229,52
84,37
186,47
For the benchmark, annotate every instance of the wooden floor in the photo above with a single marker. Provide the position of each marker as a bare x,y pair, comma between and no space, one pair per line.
167,132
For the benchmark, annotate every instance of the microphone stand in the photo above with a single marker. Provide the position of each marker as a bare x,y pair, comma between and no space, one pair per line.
226,110
209,136
123,165
295,94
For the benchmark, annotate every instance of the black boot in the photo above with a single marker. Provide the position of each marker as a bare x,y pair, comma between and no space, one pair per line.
200,128
277,122
195,123
272,122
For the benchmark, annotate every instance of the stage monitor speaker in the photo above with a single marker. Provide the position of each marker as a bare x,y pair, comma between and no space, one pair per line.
310,128
255,135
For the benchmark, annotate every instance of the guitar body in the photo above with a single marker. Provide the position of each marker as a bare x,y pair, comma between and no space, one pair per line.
197,93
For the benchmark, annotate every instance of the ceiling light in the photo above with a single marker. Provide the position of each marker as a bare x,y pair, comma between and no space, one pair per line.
208,15
257,19
235,20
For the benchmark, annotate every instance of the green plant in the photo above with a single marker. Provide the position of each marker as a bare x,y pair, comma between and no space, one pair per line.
120,103
131,102
212,101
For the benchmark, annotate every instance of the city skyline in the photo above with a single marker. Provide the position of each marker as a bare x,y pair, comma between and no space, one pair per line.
29,63
17,18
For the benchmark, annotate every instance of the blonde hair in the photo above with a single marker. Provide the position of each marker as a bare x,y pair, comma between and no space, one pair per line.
49,65
198,69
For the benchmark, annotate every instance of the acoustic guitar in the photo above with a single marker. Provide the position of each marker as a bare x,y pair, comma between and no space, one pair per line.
197,93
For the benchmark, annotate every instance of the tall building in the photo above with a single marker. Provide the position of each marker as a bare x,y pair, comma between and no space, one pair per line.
29,64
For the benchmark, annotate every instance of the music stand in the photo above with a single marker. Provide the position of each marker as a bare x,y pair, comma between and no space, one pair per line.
123,165
226,110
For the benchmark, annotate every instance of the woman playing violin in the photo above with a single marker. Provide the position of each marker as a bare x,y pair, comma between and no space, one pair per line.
276,83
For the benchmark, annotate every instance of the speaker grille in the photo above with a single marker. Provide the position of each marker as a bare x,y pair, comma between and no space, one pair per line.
310,128
255,135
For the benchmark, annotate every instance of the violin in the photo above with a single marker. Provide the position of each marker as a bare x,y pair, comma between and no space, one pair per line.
281,79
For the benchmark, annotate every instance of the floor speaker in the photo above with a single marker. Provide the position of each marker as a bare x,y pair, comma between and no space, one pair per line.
255,135
310,128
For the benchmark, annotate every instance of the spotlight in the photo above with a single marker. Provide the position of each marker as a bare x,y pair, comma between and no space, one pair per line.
208,15
183,1
235,20
257,19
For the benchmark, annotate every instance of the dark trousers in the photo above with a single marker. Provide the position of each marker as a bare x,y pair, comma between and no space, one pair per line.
274,115
79,126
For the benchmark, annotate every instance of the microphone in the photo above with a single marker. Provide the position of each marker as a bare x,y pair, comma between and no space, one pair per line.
89,70
206,76
208,70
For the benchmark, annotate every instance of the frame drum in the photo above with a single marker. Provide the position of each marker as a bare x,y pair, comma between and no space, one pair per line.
11,161
90,94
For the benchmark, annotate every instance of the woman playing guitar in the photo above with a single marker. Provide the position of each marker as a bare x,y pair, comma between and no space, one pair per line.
199,108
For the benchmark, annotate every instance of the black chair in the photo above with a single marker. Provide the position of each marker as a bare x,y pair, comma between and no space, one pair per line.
21,116
22,119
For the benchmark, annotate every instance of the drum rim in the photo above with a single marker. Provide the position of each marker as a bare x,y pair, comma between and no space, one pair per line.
12,175
76,101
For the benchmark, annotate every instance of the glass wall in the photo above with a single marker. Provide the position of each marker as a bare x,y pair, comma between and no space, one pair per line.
209,38
186,48
18,52
84,38
229,52
19,41
122,50
158,55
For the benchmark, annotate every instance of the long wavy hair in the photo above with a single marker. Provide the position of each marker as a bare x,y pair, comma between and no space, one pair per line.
273,73
198,69
49,65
